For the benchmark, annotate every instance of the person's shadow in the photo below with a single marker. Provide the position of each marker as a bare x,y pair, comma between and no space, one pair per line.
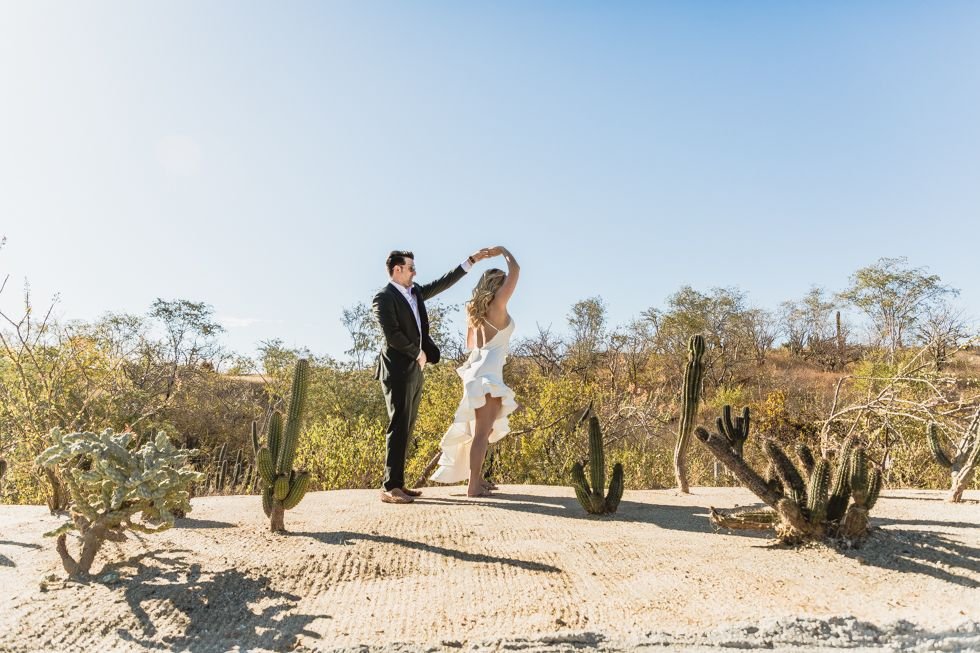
212,608
7,562
682,518
347,537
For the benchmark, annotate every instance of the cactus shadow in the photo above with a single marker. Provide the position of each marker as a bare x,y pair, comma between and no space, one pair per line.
889,521
7,562
921,552
212,609
194,524
346,537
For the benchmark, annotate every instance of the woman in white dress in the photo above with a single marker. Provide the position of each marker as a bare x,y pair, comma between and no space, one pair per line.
482,414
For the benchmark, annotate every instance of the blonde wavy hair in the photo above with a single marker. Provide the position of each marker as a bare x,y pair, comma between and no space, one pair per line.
484,292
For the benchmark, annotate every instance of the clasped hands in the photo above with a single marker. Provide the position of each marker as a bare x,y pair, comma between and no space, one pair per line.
479,255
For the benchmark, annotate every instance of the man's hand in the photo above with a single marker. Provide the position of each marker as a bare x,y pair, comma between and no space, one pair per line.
421,360
481,254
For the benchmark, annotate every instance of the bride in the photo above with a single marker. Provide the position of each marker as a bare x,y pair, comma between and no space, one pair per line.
482,414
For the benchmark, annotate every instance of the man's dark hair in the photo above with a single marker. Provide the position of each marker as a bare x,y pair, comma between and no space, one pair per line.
397,257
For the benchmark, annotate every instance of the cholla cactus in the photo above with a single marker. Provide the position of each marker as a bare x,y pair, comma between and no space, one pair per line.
282,486
802,507
962,463
109,485
591,498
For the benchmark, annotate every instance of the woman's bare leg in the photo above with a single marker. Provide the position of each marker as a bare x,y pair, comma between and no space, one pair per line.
485,417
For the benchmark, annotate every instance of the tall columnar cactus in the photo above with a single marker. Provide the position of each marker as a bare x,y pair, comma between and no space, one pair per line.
690,398
591,497
806,506
282,486
962,463
109,484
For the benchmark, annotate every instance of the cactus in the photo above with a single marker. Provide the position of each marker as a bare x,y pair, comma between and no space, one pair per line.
282,486
3,468
736,431
799,510
690,398
109,484
805,456
591,497
962,463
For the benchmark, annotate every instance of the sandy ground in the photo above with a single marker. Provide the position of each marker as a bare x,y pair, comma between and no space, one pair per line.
526,570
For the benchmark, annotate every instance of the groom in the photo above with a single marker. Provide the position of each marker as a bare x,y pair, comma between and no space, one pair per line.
400,310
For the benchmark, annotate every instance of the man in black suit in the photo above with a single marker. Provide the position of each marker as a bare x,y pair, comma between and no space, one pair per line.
400,310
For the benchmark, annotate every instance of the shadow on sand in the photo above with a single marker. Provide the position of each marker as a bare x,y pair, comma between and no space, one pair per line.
908,550
191,523
921,552
347,537
692,519
212,608
7,562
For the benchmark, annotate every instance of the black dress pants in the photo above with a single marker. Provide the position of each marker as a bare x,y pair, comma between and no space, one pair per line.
403,392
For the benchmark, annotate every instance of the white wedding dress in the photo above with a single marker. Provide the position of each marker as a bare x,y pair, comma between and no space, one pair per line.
482,374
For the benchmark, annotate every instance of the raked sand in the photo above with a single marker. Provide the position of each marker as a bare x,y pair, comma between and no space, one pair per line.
523,570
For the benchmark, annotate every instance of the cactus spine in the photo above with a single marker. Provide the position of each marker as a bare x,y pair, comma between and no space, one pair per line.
962,463
282,486
690,398
592,498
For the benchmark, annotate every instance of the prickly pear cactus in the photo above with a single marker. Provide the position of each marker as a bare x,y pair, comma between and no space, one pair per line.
109,484
591,497
282,486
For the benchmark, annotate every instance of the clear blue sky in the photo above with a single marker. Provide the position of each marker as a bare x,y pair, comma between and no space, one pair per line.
265,157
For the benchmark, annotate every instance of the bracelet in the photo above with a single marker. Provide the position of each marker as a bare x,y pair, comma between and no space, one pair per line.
471,259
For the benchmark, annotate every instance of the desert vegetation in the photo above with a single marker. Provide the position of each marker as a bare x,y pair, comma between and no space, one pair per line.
880,360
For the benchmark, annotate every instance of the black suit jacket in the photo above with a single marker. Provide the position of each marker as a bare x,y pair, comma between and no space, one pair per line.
403,342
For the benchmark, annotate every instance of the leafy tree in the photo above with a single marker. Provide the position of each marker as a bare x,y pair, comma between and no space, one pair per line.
717,315
941,329
365,334
587,321
895,297
761,330
814,328
190,335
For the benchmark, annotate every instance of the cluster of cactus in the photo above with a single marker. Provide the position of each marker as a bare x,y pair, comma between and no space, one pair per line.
224,475
962,463
690,398
109,485
591,497
805,503
282,486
